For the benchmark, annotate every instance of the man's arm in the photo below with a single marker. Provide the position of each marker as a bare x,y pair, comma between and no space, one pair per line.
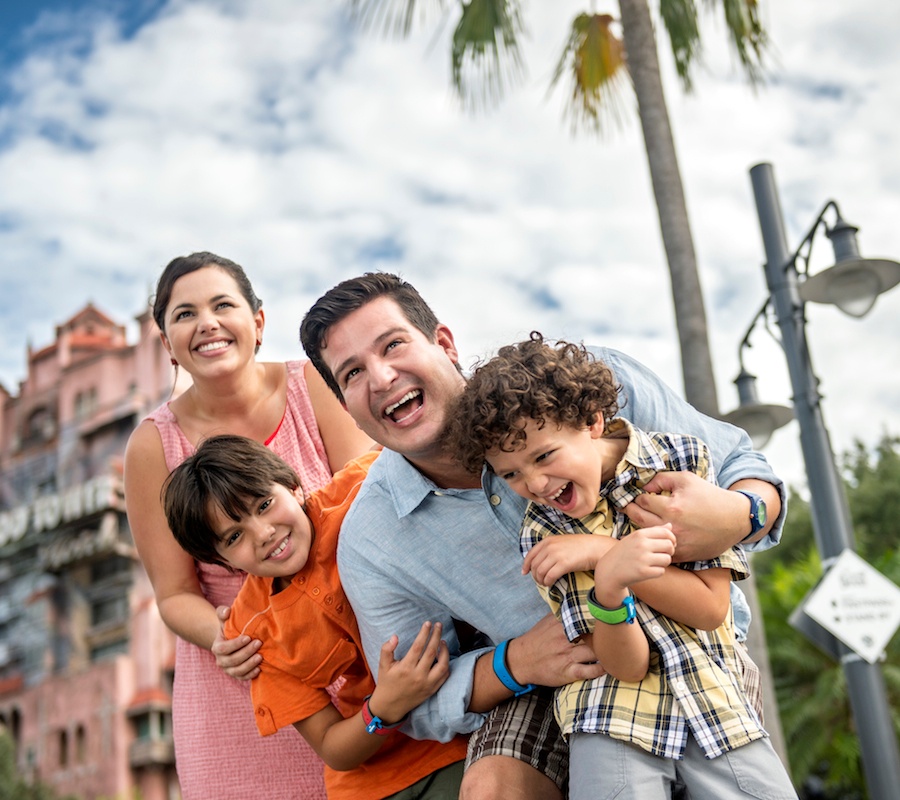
693,505
384,607
541,655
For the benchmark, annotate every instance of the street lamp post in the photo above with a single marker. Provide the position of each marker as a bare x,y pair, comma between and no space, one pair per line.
830,511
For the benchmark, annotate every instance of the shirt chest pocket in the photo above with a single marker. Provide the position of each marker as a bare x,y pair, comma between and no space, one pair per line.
321,671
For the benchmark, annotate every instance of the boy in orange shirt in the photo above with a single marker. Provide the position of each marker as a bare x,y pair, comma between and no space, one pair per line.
234,502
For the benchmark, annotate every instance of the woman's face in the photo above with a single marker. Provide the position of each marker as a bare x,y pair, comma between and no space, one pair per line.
209,326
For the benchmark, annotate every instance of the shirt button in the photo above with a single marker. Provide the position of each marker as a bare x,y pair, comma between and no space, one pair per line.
656,629
339,608
495,499
329,599
316,592
438,494
680,686
301,579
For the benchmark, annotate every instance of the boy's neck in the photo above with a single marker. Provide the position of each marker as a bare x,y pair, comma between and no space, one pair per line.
280,583
612,451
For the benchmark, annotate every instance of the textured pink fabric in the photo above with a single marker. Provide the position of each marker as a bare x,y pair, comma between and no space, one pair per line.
219,753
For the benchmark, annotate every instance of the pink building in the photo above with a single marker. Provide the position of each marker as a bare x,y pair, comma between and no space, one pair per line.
85,660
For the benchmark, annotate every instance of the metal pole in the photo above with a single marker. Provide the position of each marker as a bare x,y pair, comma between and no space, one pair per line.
830,511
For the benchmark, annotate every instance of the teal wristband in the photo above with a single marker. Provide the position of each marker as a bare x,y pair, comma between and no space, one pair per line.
503,674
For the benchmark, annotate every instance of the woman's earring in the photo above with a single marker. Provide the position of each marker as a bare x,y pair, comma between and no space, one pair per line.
174,362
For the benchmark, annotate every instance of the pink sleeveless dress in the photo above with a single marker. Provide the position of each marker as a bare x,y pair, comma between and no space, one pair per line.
219,752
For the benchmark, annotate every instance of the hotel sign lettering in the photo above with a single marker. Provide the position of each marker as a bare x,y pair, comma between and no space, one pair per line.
50,511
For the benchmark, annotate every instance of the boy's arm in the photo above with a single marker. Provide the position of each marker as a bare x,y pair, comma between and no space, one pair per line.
697,599
344,744
653,406
643,556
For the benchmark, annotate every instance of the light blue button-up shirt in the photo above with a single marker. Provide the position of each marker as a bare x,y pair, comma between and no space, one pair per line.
410,551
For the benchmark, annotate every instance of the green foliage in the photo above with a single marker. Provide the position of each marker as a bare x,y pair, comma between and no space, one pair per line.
12,786
812,692
484,54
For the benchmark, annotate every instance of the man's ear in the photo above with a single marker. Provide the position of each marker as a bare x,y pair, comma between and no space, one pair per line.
597,427
443,337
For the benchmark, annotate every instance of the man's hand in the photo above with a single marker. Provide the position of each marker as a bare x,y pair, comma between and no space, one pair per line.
236,657
555,556
544,656
705,518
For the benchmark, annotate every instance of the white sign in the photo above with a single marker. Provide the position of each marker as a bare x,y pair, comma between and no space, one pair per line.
857,604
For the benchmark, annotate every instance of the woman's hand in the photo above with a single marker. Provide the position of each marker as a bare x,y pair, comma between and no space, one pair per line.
238,657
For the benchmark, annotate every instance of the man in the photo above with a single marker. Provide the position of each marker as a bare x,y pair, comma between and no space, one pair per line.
426,539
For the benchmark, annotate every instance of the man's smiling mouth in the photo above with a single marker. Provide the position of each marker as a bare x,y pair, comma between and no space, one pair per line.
406,405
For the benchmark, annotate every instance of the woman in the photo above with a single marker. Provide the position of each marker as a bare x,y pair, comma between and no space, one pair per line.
211,323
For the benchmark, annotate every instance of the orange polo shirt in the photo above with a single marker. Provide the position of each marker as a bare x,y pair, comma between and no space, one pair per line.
310,639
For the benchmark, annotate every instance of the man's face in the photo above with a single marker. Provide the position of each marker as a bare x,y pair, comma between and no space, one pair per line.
396,383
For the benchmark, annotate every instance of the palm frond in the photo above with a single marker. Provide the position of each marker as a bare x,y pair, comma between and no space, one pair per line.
682,24
485,57
748,36
392,17
594,58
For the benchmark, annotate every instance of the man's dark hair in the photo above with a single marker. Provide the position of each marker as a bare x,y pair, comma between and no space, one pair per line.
562,384
351,295
228,473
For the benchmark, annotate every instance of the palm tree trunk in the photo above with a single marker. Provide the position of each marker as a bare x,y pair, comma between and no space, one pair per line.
690,315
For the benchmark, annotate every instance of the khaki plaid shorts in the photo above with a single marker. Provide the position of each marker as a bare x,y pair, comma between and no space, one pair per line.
524,728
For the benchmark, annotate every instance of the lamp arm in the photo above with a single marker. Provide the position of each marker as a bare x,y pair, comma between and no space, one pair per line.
807,240
745,342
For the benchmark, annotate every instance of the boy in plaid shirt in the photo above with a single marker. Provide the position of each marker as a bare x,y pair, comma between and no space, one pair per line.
671,708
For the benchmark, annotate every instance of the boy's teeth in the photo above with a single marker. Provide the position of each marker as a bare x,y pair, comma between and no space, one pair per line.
559,491
405,399
278,550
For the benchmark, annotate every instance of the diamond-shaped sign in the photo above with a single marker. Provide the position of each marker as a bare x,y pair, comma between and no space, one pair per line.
857,604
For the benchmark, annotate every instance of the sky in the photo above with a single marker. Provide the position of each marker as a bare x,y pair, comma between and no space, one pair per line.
286,136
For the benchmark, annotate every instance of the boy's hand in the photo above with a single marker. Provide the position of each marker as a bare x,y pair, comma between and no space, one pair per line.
640,556
404,684
236,657
555,556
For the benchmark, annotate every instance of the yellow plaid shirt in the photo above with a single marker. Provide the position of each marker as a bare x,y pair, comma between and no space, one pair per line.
693,684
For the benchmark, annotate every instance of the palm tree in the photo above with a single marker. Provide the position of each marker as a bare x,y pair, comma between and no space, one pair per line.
486,60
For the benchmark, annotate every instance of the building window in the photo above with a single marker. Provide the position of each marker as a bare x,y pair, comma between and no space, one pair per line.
109,610
85,403
80,745
39,427
63,749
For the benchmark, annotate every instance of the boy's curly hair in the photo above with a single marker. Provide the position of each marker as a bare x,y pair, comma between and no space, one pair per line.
529,380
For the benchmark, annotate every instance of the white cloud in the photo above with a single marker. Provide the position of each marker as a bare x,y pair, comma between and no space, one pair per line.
280,136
